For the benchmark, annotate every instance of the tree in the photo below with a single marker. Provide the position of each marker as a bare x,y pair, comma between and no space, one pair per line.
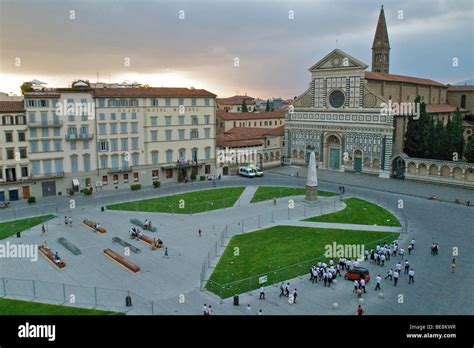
25,87
267,108
457,136
469,150
244,106
417,137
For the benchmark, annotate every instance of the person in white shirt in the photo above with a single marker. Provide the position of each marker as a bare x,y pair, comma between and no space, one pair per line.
412,243
329,279
389,274
411,276
378,279
407,267
249,309
260,312
401,253
349,264
355,263
362,284
382,260
262,293
366,255
331,262
204,309
356,286
395,278
209,310
398,266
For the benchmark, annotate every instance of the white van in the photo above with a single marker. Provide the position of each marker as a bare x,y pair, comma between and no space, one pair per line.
247,172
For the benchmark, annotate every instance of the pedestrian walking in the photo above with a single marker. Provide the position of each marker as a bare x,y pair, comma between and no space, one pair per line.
65,220
436,249
398,267
260,312
166,255
389,274
70,221
249,309
199,232
282,289
378,279
395,278
204,309
287,290
412,243
362,285
411,276
382,260
407,267
274,201
262,293
43,229
343,189
401,253
295,294
453,265
356,285
360,310
209,310
410,247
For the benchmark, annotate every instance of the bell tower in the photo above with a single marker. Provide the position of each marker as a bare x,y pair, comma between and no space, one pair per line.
381,46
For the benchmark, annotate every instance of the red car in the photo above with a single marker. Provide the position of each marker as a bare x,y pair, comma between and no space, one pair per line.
357,273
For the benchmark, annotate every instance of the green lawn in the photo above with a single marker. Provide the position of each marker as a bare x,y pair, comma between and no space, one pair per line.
10,228
194,202
295,249
265,193
16,307
360,212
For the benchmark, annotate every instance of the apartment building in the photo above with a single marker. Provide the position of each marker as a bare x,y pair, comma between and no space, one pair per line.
109,138
14,158
147,134
228,120
234,103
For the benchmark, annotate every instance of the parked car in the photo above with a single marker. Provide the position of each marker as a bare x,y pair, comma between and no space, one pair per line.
247,172
258,172
357,273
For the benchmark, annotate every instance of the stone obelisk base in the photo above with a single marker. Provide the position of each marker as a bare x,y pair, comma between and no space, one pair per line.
311,195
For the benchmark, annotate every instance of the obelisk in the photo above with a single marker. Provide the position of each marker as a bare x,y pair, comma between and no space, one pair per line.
312,180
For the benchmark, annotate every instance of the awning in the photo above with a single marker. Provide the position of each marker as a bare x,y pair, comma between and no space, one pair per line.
75,183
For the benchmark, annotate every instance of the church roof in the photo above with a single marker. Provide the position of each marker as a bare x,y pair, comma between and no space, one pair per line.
381,33
337,56
371,75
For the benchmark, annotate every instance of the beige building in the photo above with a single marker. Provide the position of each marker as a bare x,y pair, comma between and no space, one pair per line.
14,157
229,120
234,103
242,146
108,138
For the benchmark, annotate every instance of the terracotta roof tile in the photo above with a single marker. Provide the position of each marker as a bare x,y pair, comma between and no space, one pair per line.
466,88
440,108
12,106
370,75
236,100
228,116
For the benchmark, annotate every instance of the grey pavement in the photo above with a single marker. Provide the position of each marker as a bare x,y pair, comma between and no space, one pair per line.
436,291
247,195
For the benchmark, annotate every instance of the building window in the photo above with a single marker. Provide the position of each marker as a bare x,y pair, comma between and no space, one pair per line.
115,178
74,164
194,134
123,128
32,117
124,144
134,115
207,133
167,102
35,167
154,135
169,173
125,178
154,174
9,137
113,116
207,169
194,120
181,134
114,145
86,159
135,176
10,154
33,133
154,121
167,135
85,145
105,179
33,146
23,153
207,153
336,99
181,120
134,127
169,156
115,162
21,136
101,116
135,159
24,172
45,144
104,145
73,145
123,116
206,102
167,120
154,157
103,162
207,119
134,143
193,102
58,165
463,101
57,145
113,128
154,102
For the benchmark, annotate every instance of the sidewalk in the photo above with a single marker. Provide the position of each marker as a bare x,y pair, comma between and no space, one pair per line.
246,196
342,226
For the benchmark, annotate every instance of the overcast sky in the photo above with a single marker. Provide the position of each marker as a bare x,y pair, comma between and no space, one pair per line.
274,51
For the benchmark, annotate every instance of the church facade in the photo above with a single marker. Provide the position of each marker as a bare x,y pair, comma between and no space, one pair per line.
343,115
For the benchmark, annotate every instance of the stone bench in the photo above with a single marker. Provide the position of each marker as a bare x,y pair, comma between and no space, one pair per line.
91,224
123,243
140,224
128,265
49,255
69,246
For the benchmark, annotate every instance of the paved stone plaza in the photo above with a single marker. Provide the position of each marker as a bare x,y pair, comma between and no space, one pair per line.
165,280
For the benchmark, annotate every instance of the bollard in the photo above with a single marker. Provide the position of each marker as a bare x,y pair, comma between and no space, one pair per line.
128,301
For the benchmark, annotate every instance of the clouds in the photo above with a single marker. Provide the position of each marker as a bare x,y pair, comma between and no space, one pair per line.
274,51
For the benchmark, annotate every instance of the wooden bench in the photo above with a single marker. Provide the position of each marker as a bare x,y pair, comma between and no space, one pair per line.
129,266
49,255
123,243
140,224
69,246
91,224
148,240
